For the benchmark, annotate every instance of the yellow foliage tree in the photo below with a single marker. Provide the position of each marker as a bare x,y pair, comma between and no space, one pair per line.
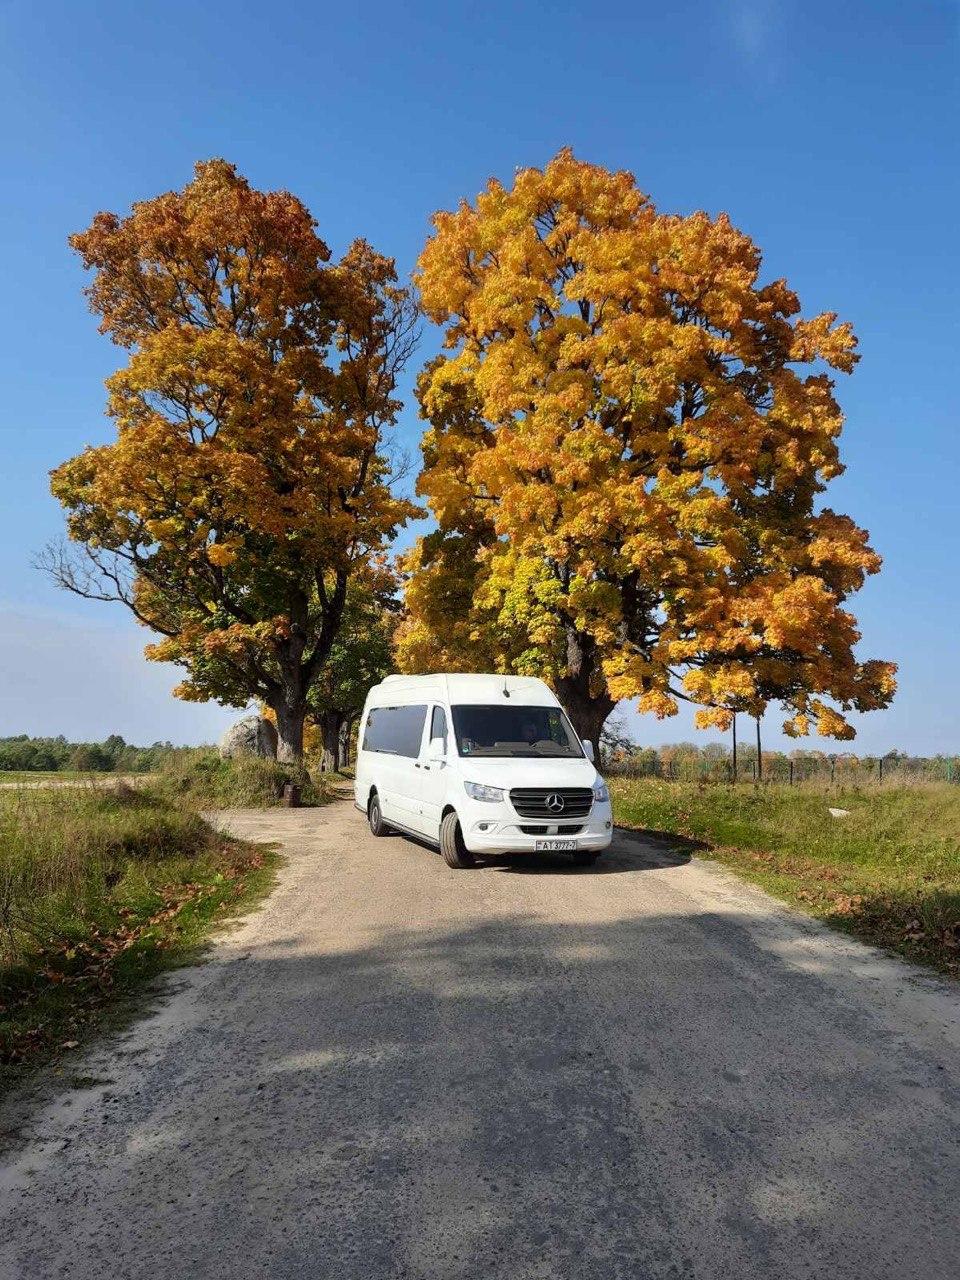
248,483
629,434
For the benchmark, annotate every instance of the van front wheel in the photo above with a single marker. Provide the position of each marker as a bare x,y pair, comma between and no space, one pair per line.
377,825
455,852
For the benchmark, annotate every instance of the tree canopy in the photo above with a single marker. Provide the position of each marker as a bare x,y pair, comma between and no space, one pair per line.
249,481
628,438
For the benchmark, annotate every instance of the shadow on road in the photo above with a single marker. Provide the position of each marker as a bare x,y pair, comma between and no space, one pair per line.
647,1088
631,850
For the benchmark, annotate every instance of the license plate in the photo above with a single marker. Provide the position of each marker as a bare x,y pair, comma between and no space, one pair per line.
560,846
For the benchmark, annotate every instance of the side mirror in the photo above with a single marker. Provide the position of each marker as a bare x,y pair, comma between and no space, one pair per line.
587,749
437,750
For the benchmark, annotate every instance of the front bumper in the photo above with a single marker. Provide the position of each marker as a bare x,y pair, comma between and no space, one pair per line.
500,832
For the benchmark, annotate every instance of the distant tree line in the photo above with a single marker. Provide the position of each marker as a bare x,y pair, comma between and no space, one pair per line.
713,762
114,755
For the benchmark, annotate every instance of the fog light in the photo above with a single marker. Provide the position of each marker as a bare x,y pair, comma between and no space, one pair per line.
608,825
482,826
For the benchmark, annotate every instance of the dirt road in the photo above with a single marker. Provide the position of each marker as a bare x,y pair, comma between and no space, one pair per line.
523,1071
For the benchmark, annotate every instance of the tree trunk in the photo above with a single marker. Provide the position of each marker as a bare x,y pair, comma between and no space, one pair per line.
343,744
290,717
330,723
588,710
588,718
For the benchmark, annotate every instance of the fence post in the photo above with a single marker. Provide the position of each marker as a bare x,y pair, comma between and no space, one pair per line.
734,746
791,773
881,769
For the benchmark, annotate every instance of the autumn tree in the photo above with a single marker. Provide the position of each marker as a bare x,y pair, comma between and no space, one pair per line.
629,436
248,485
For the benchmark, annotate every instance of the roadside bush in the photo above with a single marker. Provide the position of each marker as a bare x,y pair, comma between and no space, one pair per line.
203,778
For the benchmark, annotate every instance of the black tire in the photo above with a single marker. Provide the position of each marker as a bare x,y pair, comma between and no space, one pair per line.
455,852
585,857
377,825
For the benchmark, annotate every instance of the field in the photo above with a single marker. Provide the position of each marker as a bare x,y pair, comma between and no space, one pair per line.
887,872
100,890
15,776
197,776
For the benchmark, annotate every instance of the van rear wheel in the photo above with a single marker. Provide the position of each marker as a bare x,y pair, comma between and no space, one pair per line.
455,852
377,825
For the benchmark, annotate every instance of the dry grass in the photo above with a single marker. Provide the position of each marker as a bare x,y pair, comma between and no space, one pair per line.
100,890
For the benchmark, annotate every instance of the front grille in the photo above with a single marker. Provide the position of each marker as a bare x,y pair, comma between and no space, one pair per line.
529,830
532,802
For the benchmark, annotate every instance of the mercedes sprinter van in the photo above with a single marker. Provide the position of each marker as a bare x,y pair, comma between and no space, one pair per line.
479,764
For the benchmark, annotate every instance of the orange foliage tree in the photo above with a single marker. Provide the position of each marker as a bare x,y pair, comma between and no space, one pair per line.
248,483
628,438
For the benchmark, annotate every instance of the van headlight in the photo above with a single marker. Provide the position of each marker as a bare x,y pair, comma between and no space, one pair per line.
600,793
477,791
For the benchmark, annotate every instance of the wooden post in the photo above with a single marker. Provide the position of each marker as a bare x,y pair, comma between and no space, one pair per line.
759,755
734,746
791,773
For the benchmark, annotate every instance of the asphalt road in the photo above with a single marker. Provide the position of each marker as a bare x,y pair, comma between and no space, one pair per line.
523,1071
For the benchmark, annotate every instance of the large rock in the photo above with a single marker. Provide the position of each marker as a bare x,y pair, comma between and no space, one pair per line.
251,736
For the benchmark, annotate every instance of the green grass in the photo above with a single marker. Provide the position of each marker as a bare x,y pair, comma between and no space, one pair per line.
100,891
889,872
204,780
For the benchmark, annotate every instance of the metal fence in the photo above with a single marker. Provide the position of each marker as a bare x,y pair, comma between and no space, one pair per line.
838,770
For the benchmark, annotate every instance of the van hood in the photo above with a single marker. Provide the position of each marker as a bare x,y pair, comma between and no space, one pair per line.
520,771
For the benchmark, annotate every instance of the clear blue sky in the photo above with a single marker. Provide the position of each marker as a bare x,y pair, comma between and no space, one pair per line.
827,131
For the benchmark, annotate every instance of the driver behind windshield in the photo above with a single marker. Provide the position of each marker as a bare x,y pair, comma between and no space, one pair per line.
513,731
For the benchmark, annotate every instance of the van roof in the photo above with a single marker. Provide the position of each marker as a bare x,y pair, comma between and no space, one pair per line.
463,687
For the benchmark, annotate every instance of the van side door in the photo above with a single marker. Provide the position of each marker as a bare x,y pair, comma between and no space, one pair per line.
394,737
433,773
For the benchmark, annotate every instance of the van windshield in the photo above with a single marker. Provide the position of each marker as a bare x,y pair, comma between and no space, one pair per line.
514,731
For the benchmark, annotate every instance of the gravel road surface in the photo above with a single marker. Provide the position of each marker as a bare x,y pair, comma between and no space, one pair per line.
523,1071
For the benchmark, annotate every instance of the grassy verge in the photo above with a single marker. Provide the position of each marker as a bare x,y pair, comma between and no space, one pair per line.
888,872
203,779
100,891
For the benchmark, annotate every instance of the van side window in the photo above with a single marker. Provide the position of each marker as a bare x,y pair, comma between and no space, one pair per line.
395,731
438,725
370,731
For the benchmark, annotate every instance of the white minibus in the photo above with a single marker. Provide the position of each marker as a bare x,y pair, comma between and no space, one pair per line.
478,764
